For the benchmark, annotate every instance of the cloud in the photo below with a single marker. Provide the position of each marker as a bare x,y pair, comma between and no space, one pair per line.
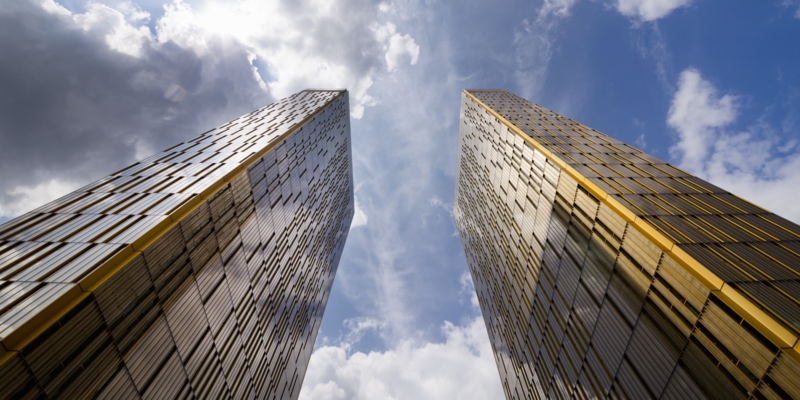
87,93
697,113
315,43
650,44
401,268
462,367
437,202
754,163
534,46
360,217
649,10
559,8
792,4
641,140
119,34
397,46
25,198
468,289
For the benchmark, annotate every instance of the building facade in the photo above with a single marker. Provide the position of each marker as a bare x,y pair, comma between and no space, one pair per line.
602,271
202,271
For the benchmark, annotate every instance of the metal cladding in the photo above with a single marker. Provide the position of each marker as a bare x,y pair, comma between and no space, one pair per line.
602,271
202,271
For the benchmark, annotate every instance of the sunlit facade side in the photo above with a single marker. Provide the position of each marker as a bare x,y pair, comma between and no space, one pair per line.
200,272
602,271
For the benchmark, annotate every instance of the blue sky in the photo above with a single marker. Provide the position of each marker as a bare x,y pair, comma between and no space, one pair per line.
89,87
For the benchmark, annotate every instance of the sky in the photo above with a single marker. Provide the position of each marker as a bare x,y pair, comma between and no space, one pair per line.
88,87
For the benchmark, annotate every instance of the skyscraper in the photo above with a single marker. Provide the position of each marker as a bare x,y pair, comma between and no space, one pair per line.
602,271
202,271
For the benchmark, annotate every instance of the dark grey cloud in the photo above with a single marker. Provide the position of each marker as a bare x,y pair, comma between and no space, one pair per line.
73,109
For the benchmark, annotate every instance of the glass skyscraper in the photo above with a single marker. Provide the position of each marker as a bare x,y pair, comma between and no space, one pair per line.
202,271
602,271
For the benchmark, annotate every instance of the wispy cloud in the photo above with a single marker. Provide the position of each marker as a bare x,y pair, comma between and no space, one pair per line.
755,163
402,267
468,290
793,4
648,38
650,44
534,42
641,140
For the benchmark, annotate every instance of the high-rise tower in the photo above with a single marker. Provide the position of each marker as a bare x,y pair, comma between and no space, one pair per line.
202,271
602,271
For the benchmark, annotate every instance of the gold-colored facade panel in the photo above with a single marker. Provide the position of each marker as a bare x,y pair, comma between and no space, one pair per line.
641,280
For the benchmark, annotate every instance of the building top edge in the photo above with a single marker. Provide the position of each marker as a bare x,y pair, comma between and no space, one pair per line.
486,90
324,90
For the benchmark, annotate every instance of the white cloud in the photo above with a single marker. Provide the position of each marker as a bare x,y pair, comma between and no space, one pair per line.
113,24
320,44
256,75
182,26
359,217
25,198
696,113
133,12
54,8
755,163
397,46
462,367
649,10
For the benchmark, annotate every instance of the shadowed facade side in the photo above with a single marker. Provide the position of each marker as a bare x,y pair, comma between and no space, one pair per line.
202,271
602,271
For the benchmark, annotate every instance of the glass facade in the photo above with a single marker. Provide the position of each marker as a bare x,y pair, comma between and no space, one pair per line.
202,271
602,271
